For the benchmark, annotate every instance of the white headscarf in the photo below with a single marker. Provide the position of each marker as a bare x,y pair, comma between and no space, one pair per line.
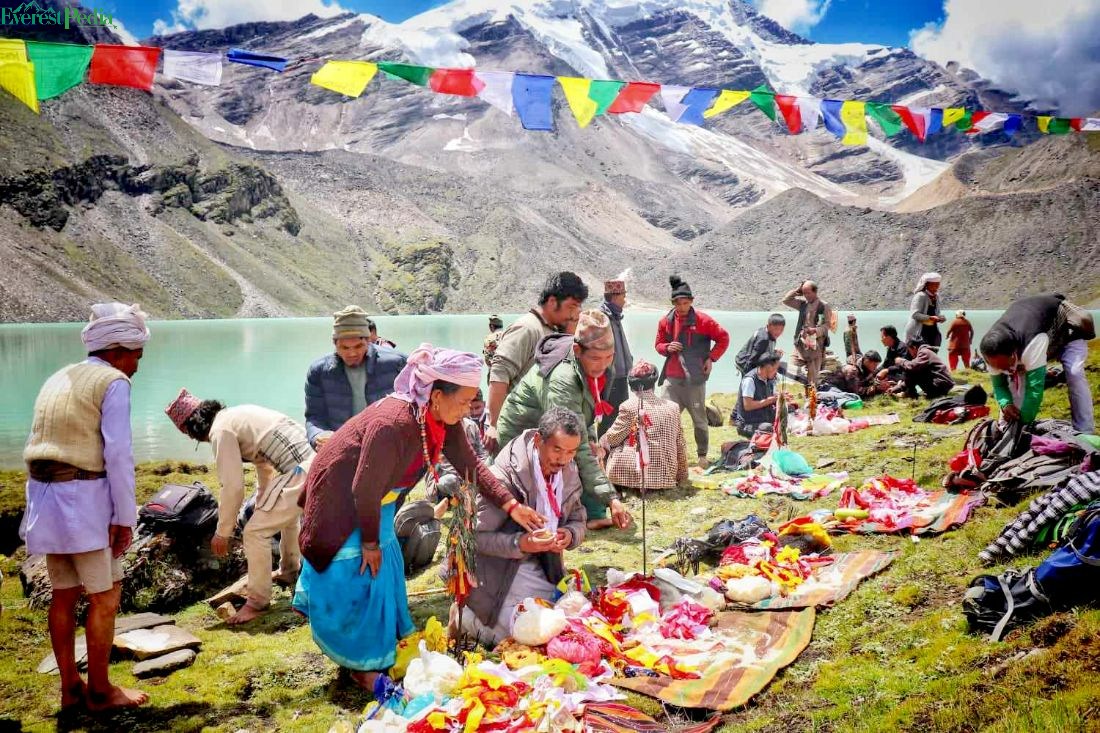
115,324
928,277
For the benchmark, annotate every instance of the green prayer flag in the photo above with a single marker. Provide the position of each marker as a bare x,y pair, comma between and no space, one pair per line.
58,67
965,123
603,93
418,75
886,117
1058,126
764,98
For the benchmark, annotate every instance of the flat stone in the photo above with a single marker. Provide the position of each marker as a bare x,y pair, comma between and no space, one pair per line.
140,621
49,665
825,463
236,592
146,643
165,664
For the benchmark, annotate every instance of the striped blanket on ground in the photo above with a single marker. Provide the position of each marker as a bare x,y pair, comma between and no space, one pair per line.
1017,536
749,650
831,583
616,717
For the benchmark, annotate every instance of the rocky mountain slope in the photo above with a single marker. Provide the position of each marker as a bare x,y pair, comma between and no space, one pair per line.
268,196
1013,227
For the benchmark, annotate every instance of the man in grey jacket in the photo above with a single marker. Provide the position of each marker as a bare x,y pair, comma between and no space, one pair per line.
512,564
616,391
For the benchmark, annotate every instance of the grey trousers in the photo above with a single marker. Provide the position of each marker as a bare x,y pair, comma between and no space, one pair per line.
692,397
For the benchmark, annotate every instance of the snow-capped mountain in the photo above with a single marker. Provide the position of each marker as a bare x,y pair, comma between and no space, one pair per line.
742,156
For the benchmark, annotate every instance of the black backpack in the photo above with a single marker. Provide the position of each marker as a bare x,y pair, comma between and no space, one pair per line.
419,532
180,509
996,604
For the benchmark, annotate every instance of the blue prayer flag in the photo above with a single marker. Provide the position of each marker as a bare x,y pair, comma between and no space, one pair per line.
241,56
697,101
830,113
532,96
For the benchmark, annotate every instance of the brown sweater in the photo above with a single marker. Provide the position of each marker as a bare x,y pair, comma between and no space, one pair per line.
364,460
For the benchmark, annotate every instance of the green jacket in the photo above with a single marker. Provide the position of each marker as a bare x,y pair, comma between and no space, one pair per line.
563,387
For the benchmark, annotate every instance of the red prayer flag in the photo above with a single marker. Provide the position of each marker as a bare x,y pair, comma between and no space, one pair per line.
788,107
461,82
915,123
633,97
1075,123
976,117
124,66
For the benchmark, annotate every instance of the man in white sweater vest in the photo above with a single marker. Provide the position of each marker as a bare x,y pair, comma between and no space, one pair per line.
81,507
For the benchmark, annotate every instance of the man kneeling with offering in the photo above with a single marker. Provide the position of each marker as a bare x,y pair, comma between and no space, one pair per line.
512,564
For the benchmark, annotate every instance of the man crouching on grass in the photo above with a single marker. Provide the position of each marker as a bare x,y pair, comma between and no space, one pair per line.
81,508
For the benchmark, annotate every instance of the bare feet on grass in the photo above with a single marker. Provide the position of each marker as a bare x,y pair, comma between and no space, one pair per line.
73,696
246,614
364,680
116,698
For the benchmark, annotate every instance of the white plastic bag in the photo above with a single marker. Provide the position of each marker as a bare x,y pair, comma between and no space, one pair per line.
432,673
750,589
534,625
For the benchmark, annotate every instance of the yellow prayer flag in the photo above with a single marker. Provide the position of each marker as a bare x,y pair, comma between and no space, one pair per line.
576,93
951,115
855,123
349,78
1044,123
17,78
13,49
726,100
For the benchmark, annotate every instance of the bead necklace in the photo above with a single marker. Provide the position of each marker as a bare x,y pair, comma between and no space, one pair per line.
424,445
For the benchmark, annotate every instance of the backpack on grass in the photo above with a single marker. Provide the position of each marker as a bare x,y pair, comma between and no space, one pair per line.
419,532
1069,577
179,508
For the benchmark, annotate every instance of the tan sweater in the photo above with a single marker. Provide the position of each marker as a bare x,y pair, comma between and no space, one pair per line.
67,415
243,434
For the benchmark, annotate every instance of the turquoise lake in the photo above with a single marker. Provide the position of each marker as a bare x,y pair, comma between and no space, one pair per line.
264,361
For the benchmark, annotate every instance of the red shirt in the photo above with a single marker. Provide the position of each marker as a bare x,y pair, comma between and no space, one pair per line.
705,327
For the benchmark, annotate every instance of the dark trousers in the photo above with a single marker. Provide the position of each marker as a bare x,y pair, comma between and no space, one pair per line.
616,396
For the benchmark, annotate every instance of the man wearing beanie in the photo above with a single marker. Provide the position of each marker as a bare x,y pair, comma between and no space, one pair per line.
81,508
343,383
691,341
614,300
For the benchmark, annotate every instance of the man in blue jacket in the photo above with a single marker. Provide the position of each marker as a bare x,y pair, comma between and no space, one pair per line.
341,384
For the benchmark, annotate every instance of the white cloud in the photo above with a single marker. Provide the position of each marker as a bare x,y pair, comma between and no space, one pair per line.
796,15
124,35
204,14
1045,51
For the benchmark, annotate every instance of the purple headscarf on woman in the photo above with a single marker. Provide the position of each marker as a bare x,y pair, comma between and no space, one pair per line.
427,364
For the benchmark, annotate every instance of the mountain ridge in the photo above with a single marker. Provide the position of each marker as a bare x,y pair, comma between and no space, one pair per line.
410,202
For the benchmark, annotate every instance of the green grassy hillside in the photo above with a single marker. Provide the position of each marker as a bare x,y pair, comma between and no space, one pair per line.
893,656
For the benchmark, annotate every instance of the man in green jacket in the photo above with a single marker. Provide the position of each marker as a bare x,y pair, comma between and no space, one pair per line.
570,373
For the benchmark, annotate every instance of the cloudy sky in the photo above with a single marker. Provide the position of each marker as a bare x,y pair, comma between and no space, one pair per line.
1047,50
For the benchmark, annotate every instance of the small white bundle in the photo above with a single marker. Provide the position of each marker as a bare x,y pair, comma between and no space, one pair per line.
749,589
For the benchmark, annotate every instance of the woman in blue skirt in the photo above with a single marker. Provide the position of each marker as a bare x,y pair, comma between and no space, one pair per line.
352,584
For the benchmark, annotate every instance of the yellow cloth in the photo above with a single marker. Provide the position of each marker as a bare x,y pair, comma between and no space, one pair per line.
726,100
576,93
852,115
13,49
67,416
951,115
346,77
17,78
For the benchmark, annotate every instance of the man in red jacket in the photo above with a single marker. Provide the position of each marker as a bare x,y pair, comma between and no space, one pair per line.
691,341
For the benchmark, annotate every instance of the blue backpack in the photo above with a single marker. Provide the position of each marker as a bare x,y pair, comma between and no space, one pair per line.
1069,577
